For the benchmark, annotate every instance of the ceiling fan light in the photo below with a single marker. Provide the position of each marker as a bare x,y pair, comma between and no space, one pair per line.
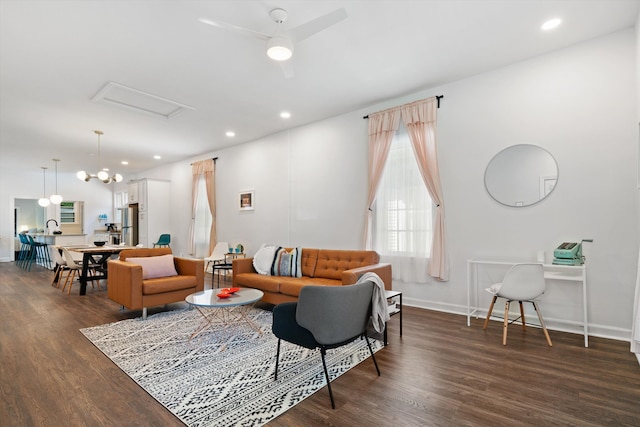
279,48
56,199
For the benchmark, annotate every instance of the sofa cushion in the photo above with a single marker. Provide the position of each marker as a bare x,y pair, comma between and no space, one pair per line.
263,259
167,284
155,266
309,260
292,286
257,281
287,263
331,263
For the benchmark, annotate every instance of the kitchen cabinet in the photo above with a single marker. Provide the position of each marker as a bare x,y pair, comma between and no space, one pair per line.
154,209
143,200
132,191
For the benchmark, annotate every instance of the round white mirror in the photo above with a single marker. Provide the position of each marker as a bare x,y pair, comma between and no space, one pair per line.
521,175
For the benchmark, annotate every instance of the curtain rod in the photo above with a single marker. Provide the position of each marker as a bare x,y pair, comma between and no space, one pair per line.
214,160
437,98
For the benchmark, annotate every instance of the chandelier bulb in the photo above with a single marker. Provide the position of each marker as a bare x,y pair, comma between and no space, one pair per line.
102,175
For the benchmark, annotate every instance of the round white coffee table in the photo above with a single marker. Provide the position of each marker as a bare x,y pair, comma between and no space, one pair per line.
229,311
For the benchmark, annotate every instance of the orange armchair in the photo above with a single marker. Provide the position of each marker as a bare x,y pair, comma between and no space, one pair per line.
129,284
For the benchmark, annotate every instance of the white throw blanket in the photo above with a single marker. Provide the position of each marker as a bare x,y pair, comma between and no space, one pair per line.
379,312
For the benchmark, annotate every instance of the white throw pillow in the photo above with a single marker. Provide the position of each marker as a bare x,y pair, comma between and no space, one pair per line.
263,259
155,266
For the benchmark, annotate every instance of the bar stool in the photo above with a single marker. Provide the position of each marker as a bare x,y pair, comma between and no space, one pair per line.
39,252
24,253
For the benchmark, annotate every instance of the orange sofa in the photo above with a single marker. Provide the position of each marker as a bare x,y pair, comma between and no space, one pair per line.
127,287
319,267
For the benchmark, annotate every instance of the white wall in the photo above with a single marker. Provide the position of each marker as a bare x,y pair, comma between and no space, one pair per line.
579,103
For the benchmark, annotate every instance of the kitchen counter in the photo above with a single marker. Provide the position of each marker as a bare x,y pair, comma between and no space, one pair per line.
60,239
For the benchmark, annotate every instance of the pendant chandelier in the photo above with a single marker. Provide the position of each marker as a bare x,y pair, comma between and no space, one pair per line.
43,201
103,174
56,198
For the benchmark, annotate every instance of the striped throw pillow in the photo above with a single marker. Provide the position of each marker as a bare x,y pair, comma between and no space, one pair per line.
287,263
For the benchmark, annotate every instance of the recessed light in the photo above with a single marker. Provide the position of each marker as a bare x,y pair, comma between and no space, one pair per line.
124,162
551,24
230,134
157,157
285,114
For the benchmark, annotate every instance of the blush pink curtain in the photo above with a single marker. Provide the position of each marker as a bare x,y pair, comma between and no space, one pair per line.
382,127
419,119
206,168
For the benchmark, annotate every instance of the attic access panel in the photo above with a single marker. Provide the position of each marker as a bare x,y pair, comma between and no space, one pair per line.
137,100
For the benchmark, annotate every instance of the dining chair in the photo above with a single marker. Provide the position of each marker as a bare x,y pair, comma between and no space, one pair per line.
60,267
523,283
163,241
218,261
74,268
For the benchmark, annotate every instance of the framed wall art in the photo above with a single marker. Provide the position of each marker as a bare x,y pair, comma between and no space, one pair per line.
246,200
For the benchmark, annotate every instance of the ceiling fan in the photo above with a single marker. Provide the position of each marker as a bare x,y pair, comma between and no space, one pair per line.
280,44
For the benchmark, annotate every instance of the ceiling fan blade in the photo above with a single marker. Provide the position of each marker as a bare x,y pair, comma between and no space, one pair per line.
287,69
240,30
314,26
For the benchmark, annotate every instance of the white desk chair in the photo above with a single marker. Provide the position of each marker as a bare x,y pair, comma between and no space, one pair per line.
523,282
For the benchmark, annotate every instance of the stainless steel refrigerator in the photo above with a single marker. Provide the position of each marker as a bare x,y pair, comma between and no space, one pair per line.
130,225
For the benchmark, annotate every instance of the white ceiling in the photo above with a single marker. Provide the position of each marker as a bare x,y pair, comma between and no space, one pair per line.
56,55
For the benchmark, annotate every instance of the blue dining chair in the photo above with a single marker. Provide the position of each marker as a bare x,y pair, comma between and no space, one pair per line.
164,240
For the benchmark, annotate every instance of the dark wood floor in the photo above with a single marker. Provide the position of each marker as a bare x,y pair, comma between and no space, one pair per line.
440,373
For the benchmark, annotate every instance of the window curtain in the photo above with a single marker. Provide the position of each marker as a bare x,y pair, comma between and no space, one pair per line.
420,120
207,169
382,127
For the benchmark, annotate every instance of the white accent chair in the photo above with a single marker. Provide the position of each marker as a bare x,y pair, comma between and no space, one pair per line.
523,282
218,260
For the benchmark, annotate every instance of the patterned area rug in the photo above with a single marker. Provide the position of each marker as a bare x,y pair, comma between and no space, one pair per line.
223,376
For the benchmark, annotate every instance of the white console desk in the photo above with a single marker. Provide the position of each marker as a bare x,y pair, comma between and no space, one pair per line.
577,274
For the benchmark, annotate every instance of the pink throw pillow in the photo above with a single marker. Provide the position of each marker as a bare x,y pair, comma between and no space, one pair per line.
155,266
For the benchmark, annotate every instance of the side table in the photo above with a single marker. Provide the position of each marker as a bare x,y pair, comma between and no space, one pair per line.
396,310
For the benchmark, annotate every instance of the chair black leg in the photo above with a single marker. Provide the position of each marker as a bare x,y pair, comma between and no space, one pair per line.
326,374
372,355
277,360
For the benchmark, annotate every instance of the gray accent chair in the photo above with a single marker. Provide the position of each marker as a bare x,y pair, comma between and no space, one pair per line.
325,317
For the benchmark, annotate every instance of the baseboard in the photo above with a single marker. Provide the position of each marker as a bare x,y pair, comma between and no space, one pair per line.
601,331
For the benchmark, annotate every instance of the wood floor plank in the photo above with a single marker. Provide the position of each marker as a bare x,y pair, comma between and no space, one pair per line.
440,373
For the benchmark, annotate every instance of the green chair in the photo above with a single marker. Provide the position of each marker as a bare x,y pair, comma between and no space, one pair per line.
164,240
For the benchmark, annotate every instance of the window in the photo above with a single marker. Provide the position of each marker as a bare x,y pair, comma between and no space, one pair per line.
203,221
403,211
68,212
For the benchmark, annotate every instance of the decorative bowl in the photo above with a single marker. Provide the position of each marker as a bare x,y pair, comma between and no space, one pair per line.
99,243
223,295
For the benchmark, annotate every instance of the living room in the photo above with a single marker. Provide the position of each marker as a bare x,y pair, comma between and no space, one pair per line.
581,103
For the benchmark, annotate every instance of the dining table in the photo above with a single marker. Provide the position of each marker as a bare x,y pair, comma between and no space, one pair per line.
95,258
